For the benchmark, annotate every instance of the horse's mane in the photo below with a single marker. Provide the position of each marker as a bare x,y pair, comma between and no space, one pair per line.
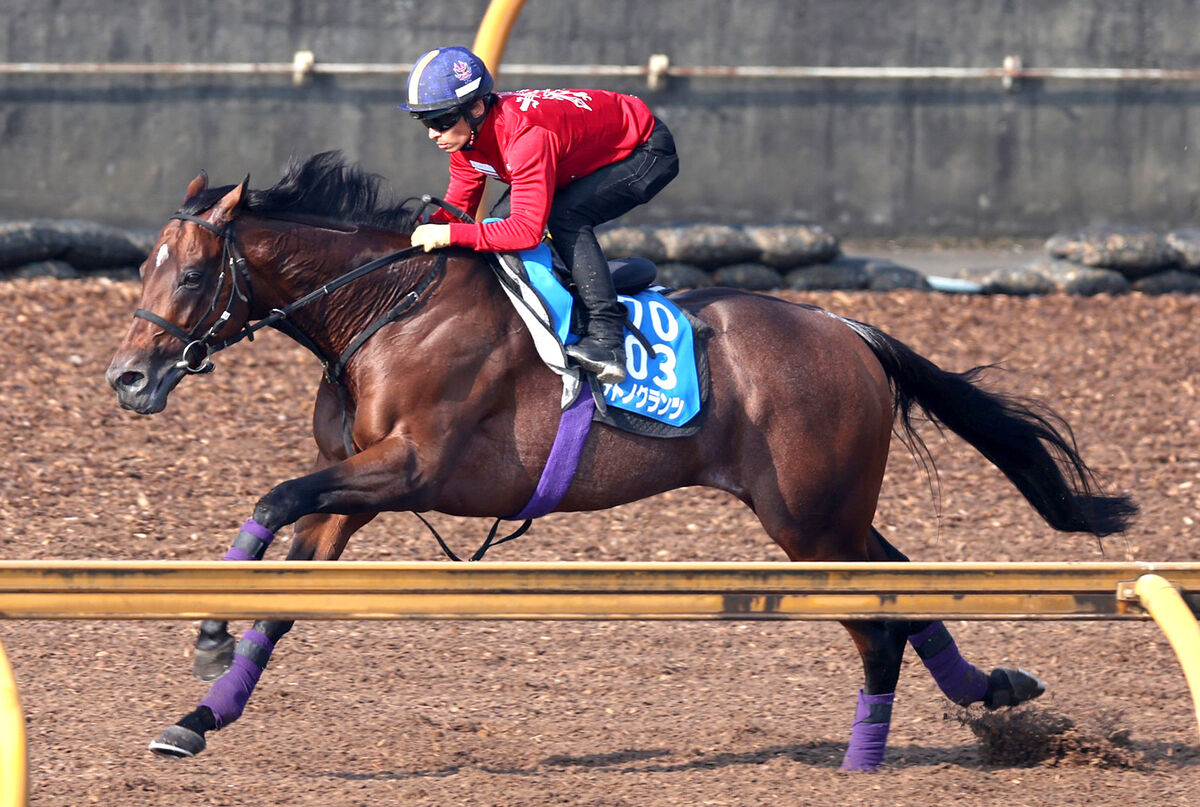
326,186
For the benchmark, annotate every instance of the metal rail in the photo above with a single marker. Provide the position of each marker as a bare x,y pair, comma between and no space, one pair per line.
304,67
578,590
583,590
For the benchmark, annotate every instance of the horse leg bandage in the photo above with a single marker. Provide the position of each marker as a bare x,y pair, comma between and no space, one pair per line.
961,681
228,695
251,542
868,737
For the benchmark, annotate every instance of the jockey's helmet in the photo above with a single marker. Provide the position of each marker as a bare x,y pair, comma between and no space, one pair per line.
445,79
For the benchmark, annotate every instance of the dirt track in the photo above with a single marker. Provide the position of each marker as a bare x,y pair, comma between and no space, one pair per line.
591,713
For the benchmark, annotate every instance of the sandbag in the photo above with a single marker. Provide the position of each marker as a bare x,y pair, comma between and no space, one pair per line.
1016,280
748,276
707,245
1172,281
887,276
841,274
26,242
1074,278
59,270
683,276
83,244
629,242
787,246
1132,251
95,246
1185,246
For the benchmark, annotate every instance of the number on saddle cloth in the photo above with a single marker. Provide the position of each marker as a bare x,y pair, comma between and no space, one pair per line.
661,383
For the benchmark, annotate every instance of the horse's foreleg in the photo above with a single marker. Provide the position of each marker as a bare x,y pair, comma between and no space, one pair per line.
228,695
318,537
215,645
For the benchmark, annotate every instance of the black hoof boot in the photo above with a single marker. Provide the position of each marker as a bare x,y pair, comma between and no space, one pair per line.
1008,687
178,742
212,660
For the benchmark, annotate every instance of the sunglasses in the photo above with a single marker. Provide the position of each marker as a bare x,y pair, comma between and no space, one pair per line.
442,122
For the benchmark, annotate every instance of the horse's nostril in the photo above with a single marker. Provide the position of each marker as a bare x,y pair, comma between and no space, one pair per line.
129,378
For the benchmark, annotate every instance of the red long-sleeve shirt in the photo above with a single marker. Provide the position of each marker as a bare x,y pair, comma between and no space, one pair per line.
538,141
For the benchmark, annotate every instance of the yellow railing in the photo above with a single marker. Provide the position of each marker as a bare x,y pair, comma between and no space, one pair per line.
577,590
586,590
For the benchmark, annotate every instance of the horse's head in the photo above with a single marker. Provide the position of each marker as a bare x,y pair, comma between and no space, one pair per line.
194,293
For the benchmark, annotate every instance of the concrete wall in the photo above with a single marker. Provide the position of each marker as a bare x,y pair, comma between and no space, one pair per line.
865,158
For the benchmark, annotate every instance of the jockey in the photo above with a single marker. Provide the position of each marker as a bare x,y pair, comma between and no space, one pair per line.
573,159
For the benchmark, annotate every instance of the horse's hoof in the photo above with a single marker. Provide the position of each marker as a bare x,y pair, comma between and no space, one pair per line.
1007,687
209,664
178,742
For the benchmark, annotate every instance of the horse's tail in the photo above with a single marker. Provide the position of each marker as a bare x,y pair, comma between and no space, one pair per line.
1030,443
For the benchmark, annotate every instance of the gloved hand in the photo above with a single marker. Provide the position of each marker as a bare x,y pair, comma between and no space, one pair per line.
431,236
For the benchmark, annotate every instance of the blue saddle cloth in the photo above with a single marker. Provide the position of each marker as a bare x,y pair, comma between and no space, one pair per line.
664,387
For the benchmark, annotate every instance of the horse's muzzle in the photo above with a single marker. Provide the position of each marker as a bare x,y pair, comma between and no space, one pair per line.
142,388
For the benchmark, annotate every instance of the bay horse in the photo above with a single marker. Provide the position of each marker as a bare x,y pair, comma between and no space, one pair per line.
447,407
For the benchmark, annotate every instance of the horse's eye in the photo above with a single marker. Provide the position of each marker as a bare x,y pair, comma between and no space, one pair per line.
191,280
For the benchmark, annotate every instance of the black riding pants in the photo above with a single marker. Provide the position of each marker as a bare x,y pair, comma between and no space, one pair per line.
601,196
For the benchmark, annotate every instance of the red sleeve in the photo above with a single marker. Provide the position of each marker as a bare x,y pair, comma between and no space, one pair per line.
465,191
532,162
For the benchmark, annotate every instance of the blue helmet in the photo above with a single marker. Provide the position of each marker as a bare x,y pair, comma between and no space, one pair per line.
446,78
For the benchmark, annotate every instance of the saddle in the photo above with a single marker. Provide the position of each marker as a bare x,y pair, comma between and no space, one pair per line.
668,379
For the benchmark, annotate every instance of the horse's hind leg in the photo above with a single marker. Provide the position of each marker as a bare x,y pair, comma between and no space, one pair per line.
881,645
959,680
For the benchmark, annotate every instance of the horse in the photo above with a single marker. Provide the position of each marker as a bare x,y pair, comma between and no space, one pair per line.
434,399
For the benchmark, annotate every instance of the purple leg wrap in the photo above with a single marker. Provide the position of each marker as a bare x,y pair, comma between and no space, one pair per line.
868,737
228,695
252,541
960,681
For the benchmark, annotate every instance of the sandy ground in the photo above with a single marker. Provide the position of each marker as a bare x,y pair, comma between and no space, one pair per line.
480,713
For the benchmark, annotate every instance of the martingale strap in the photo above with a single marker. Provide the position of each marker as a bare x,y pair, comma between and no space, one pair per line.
487,544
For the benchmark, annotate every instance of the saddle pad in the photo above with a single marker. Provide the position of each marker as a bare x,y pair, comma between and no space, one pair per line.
664,387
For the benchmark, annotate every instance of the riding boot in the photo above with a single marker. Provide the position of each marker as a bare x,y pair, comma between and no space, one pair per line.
602,350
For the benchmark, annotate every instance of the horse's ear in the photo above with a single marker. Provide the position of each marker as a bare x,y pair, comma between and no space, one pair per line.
196,185
223,210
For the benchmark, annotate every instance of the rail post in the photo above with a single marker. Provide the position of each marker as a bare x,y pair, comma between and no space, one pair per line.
1167,607
14,770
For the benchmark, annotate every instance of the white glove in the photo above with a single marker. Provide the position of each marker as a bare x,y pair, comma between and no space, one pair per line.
431,236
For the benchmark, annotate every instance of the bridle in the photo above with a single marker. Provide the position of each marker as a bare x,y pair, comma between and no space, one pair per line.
198,347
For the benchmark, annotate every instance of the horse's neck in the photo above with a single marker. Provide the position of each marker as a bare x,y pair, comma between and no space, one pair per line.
292,261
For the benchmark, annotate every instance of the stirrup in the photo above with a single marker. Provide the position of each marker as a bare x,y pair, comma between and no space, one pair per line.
606,363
